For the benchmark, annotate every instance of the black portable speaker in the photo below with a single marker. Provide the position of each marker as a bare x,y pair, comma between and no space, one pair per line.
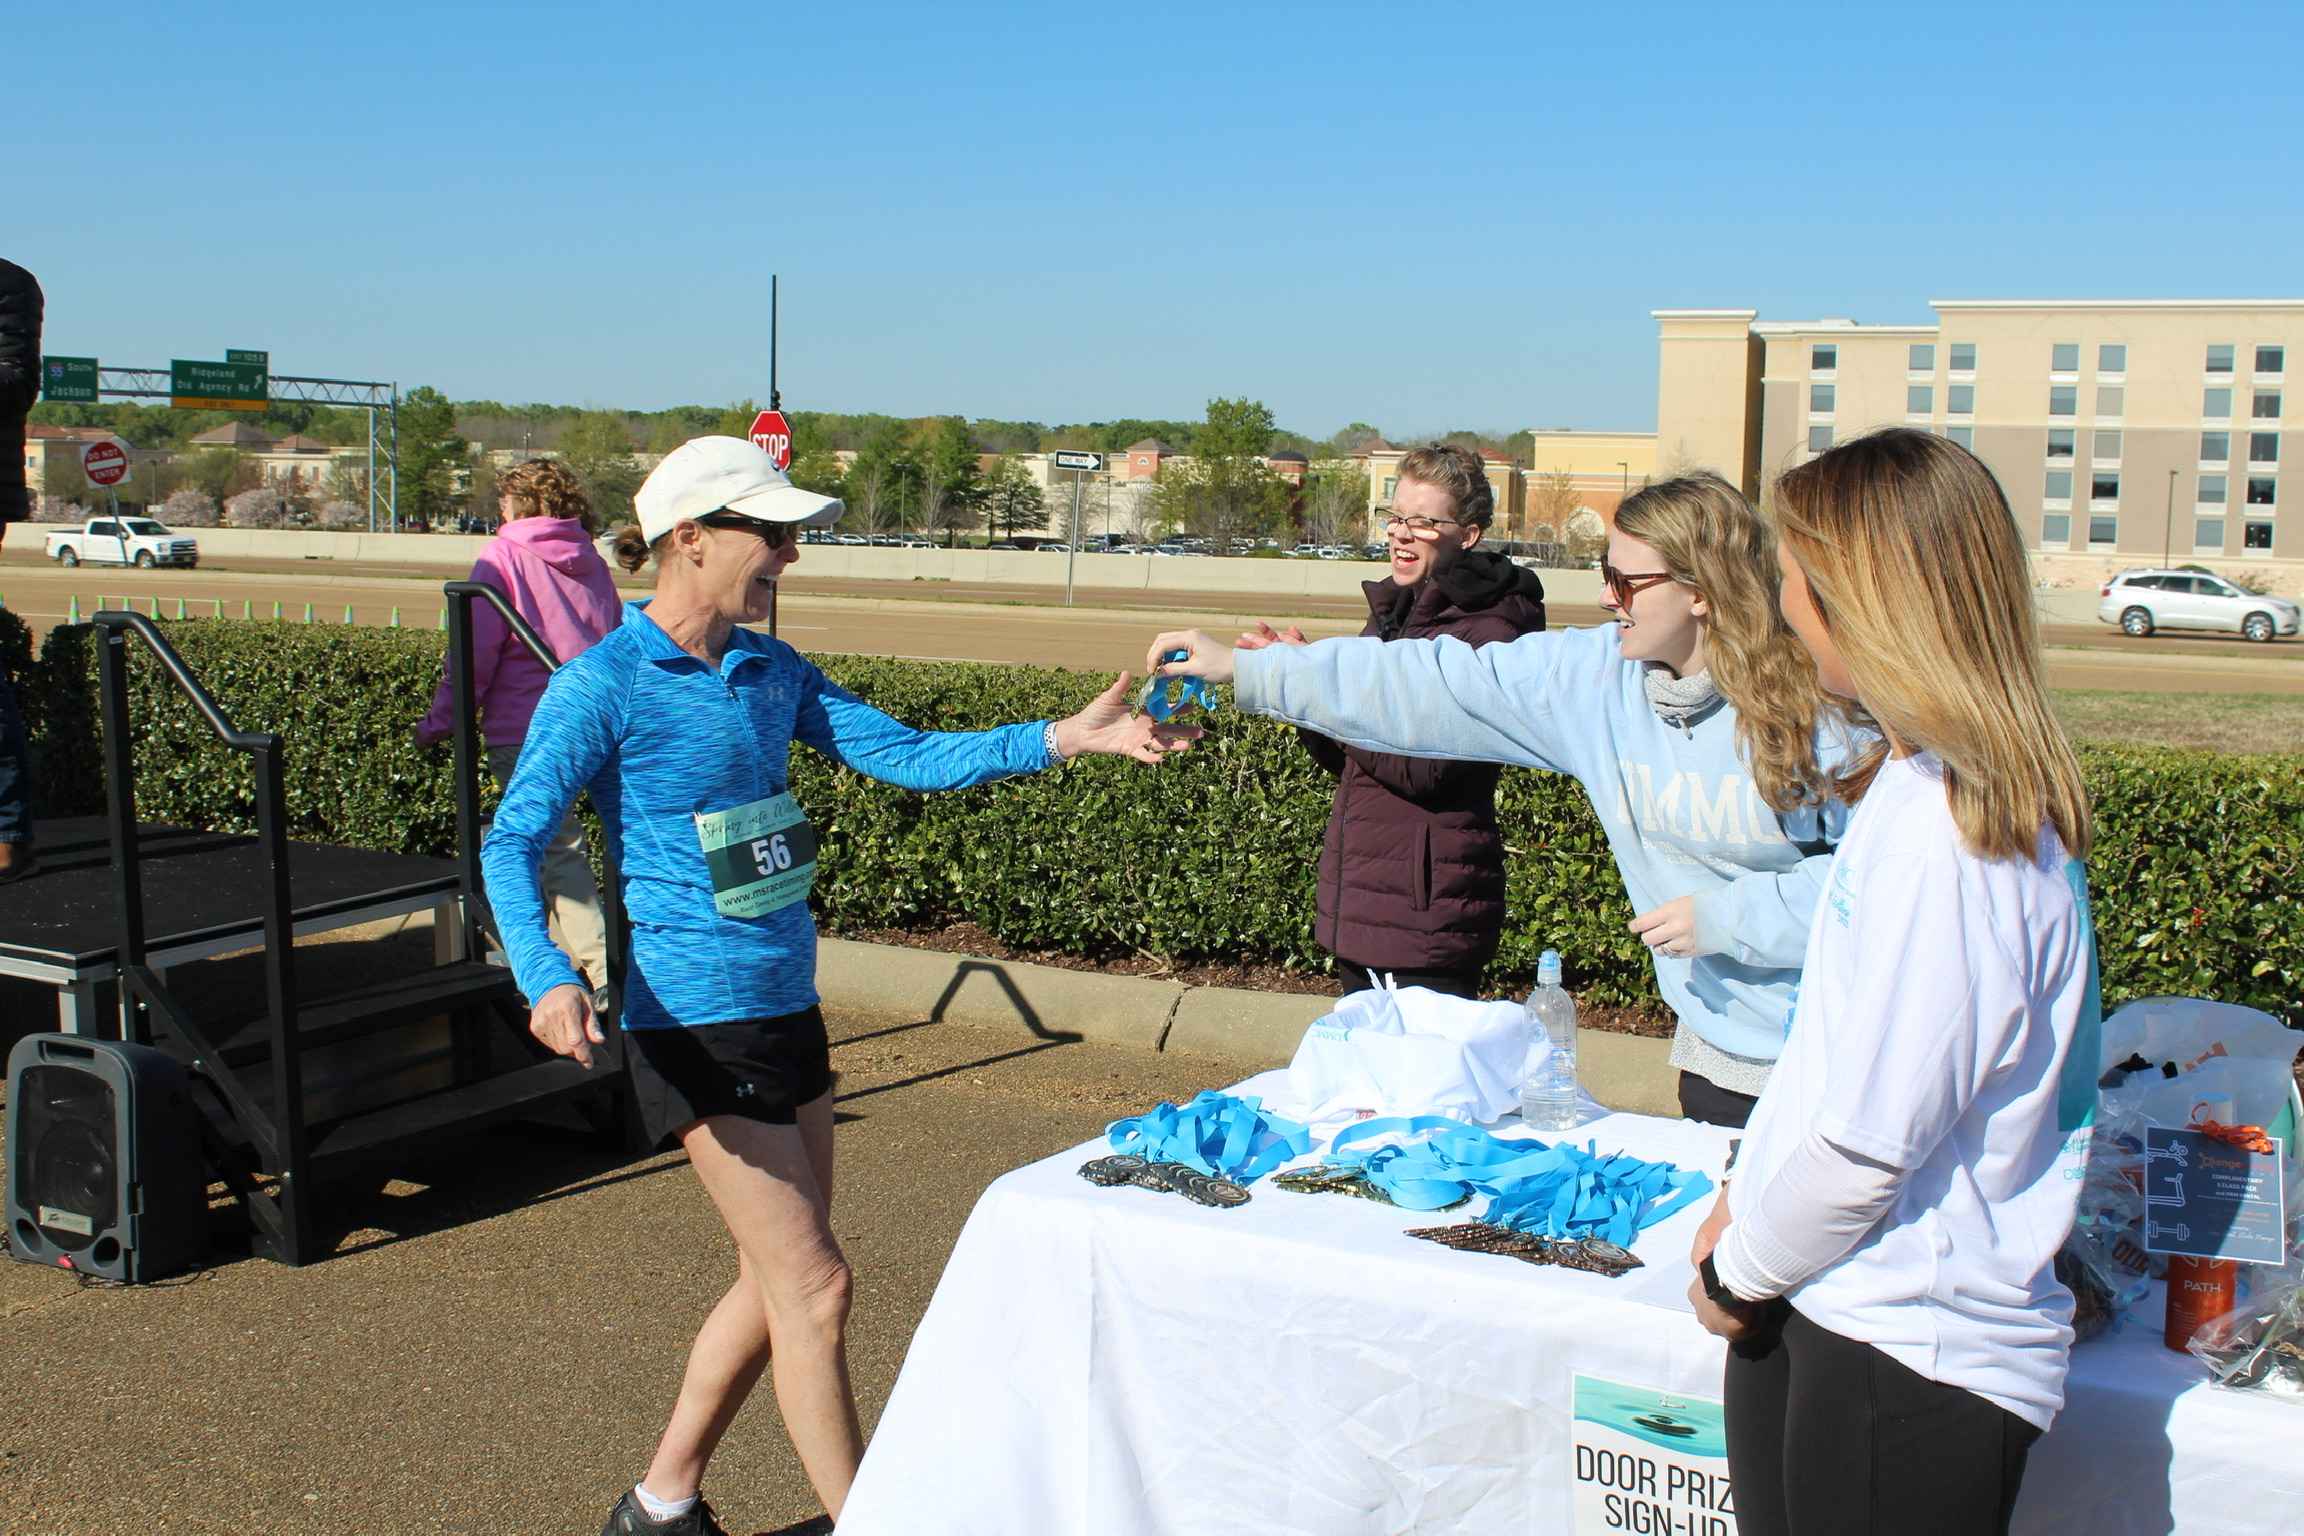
104,1167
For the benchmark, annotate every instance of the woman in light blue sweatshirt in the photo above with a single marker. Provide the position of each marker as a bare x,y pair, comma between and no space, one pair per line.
1694,724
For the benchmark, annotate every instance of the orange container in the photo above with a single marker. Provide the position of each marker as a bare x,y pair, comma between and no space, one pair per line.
2199,1292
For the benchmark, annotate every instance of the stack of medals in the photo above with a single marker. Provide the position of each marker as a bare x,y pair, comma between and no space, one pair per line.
1594,1254
1164,1178
1338,1179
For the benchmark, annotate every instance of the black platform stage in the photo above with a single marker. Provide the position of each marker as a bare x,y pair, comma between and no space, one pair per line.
204,894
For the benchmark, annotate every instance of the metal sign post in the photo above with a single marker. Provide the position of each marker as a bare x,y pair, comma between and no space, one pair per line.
1082,466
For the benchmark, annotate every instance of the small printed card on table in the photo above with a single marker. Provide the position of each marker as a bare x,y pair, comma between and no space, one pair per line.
2209,1199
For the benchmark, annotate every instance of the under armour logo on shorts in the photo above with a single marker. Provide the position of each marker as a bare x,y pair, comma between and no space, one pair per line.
744,1090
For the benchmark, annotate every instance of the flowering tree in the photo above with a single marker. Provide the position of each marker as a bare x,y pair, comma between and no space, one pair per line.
262,507
342,516
189,509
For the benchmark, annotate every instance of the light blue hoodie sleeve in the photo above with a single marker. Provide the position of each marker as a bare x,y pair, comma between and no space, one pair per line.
851,732
571,738
1506,703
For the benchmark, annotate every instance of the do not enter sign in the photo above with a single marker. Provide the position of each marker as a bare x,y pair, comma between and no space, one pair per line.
774,435
105,462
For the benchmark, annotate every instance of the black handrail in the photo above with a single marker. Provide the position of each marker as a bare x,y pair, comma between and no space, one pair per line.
139,988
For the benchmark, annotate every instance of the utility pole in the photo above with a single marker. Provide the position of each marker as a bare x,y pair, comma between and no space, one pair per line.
775,399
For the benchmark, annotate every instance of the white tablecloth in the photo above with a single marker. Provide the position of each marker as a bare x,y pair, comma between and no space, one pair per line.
1118,1361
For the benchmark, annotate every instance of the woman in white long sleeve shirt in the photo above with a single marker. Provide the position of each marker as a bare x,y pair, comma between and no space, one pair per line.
1884,1258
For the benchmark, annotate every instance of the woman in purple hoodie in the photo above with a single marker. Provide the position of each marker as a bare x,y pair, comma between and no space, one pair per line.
544,562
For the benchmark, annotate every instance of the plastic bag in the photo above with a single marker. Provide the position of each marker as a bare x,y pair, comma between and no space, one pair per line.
2103,1262
1410,1052
2258,1346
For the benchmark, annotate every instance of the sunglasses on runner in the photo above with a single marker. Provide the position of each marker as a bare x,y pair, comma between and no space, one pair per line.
1625,588
774,535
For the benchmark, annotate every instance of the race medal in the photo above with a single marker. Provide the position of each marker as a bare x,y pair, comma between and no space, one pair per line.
761,856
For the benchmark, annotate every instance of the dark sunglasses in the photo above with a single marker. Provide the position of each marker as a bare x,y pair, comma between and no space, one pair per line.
774,535
1625,588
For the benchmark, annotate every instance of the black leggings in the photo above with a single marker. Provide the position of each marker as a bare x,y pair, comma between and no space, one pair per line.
1829,1437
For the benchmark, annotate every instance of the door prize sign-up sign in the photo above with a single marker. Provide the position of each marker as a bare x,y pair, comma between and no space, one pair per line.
1654,1463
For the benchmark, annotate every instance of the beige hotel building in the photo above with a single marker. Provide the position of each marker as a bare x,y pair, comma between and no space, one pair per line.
2124,432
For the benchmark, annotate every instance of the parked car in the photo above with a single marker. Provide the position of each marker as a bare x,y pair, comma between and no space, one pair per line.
1055,548
850,538
2147,600
137,541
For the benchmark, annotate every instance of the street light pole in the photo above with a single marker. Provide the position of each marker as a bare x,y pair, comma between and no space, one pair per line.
2168,524
1626,493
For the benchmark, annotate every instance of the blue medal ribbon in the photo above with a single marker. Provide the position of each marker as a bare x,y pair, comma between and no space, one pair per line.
1162,705
1553,1191
1225,1137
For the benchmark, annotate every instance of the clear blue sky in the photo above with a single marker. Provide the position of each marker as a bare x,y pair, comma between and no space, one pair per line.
1424,217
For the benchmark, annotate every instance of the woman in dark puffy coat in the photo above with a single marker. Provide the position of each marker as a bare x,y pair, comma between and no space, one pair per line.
1412,871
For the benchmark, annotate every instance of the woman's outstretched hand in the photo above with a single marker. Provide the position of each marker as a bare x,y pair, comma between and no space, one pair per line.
1109,726
1203,657
1264,634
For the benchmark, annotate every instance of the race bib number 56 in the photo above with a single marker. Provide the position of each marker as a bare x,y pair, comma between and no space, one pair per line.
761,857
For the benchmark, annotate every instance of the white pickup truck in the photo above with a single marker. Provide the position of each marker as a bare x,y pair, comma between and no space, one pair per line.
122,541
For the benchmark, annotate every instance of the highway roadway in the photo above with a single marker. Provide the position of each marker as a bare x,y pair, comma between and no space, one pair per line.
956,622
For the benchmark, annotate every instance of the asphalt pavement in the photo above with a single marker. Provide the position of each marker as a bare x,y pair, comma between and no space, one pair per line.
496,1342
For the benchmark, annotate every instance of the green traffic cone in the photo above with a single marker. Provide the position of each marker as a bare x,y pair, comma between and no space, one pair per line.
155,608
395,618
219,602
307,613
347,613
73,617
180,608
443,617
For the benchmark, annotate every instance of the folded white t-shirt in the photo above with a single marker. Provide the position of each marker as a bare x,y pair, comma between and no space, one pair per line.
1946,1028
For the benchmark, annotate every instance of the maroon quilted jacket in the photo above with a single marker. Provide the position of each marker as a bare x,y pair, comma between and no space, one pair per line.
1412,872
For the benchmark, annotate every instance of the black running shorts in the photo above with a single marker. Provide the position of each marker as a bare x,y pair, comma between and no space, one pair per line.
761,1069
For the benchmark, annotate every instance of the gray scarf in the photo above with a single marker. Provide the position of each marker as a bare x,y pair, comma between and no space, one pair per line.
1680,701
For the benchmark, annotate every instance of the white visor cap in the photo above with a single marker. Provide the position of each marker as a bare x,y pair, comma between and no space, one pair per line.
713,474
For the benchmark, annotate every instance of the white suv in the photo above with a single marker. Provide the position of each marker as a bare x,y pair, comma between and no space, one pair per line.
2143,601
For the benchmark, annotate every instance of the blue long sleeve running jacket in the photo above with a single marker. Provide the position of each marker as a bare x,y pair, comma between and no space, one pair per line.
658,737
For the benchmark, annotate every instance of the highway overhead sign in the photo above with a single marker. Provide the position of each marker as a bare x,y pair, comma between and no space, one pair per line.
196,386
105,462
774,434
1069,458
68,379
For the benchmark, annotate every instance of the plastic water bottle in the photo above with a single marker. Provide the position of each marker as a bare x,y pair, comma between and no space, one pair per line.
1549,1098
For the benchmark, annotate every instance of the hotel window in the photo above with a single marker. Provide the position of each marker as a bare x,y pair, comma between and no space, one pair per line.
2112,357
2216,404
2106,446
1964,437
2060,442
1823,357
2256,535
1960,399
2103,531
1920,357
2263,447
2208,533
2215,447
2266,406
1963,357
2104,485
2262,490
2064,357
2063,400
1919,399
1820,399
2056,530
2220,357
1391,484
2111,401
2211,491
2271,359
1819,439
2058,487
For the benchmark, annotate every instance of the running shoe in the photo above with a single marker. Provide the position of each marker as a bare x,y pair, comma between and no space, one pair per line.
629,1519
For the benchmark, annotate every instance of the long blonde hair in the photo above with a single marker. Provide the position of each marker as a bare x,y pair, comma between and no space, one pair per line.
1919,574
1710,538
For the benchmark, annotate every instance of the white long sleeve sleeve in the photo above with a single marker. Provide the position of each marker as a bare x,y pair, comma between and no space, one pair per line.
1815,1208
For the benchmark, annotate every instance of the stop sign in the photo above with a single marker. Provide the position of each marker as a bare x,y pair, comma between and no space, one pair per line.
105,462
774,435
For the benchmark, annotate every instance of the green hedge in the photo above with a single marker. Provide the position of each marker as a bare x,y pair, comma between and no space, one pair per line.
1210,857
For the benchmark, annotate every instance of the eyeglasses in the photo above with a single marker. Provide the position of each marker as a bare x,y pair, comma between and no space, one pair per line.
1422,524
1625,588
774,535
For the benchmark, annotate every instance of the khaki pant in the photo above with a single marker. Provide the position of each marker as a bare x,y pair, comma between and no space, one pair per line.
571,900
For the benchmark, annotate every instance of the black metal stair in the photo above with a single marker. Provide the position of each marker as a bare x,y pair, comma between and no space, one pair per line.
461,987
